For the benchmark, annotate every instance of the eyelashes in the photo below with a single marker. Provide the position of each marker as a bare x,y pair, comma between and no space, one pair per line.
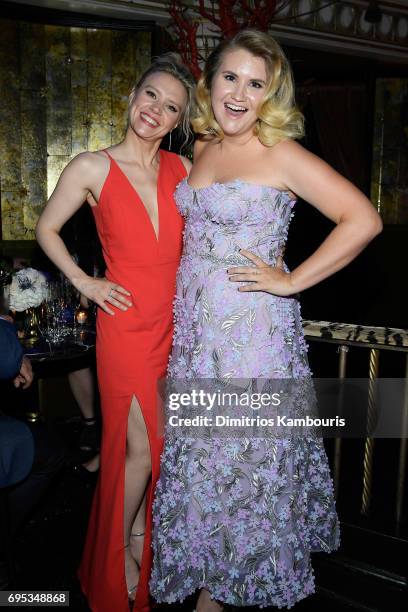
152,94
255,84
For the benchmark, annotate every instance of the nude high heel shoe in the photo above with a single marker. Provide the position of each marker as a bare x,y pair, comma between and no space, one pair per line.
132,590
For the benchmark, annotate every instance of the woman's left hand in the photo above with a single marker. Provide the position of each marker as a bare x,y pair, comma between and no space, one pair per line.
262,277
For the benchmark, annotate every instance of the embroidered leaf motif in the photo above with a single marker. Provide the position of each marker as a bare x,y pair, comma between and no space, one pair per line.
258,485
237,344
251,319
169,518
228,324
205,309
251,562
216,528
198,294
228,547
215,579
197,350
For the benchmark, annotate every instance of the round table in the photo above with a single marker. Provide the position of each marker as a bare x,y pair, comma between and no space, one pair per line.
75,344
74,352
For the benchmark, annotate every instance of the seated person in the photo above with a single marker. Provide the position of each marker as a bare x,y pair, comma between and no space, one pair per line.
16,440
29,456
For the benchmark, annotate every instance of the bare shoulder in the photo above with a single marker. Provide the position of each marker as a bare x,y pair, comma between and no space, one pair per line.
186,163
86,170
289,151
90,161
291,159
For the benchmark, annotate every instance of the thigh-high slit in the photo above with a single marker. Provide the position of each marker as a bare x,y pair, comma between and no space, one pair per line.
106,590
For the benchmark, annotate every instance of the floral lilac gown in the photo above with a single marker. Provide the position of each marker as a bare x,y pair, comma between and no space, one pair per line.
238,516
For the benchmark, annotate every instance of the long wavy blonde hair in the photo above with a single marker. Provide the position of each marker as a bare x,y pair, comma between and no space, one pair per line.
278,116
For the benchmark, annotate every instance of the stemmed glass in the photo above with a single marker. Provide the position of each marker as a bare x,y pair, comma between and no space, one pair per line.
57,312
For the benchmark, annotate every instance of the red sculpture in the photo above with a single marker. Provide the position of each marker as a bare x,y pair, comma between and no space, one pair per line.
229,17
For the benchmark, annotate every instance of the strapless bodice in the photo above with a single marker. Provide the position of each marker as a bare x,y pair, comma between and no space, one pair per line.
222,218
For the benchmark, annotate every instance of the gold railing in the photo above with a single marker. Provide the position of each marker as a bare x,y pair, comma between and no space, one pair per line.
376,339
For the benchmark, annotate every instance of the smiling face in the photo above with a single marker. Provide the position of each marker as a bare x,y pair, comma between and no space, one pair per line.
157,106
237,90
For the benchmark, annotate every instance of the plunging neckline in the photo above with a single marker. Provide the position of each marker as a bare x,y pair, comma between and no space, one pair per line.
156,235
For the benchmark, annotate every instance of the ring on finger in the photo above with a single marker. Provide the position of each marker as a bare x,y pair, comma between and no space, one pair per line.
111,292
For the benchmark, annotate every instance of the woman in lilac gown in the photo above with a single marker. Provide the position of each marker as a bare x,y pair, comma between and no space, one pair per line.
237,517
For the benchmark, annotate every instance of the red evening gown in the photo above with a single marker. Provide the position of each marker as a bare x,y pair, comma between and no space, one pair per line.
132,351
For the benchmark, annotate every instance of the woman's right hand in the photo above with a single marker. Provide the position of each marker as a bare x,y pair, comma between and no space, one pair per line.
101,291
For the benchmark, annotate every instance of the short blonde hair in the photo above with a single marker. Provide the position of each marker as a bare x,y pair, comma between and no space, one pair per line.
278,116
171,63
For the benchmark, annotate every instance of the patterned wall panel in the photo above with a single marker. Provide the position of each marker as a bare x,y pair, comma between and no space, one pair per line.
99,87
33,116
389,188
10,134
122,77
64,90
59,102
79,89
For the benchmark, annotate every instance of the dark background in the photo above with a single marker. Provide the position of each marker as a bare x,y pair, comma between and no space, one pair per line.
337,93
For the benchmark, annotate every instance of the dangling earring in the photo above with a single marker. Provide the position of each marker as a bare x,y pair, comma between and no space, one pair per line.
170,139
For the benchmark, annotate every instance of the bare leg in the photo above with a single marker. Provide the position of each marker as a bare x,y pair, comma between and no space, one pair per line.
206,604
82,387
81,383
137,533
93,464
137,473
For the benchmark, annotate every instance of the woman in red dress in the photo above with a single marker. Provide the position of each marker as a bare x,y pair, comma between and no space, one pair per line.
130,188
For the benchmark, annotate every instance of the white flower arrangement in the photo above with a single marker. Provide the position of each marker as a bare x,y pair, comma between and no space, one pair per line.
28,289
